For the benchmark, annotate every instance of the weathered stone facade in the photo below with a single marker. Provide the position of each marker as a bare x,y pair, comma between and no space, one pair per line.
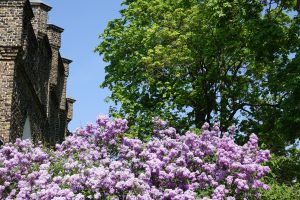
33,75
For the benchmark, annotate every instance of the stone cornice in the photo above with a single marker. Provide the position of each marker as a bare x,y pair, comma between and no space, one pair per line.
42,5
55,28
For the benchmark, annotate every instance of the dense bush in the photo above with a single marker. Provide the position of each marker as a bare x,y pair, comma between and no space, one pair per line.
282,192
99,162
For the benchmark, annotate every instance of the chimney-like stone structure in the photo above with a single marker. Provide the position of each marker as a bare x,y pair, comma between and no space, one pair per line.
33,75
70,103
66,63
54,35
40,11
11,24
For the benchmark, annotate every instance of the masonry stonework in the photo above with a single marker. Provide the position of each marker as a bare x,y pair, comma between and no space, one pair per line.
33,75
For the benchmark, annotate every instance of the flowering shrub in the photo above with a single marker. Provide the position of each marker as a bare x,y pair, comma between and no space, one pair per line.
98,162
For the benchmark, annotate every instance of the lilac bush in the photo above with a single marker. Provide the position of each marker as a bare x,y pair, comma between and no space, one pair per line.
99,162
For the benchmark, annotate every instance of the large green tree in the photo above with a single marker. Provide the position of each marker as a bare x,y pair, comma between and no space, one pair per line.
196,61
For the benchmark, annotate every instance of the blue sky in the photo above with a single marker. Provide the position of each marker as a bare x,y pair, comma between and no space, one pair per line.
83,21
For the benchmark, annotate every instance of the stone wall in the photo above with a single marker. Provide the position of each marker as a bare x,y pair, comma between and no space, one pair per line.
11,24
33,75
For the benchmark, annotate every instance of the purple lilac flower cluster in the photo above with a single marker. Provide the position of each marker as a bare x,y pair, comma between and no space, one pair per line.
98,162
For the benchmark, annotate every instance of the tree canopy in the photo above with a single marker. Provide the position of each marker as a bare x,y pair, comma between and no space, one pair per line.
192,61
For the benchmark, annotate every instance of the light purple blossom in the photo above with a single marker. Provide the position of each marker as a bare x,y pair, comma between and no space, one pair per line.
98,161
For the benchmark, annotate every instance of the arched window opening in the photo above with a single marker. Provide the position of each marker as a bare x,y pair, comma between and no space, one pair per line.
27,130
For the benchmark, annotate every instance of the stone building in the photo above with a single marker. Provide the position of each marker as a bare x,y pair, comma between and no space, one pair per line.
33,75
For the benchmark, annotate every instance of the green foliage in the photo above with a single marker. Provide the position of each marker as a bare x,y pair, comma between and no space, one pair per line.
282,192
286,168
193,61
